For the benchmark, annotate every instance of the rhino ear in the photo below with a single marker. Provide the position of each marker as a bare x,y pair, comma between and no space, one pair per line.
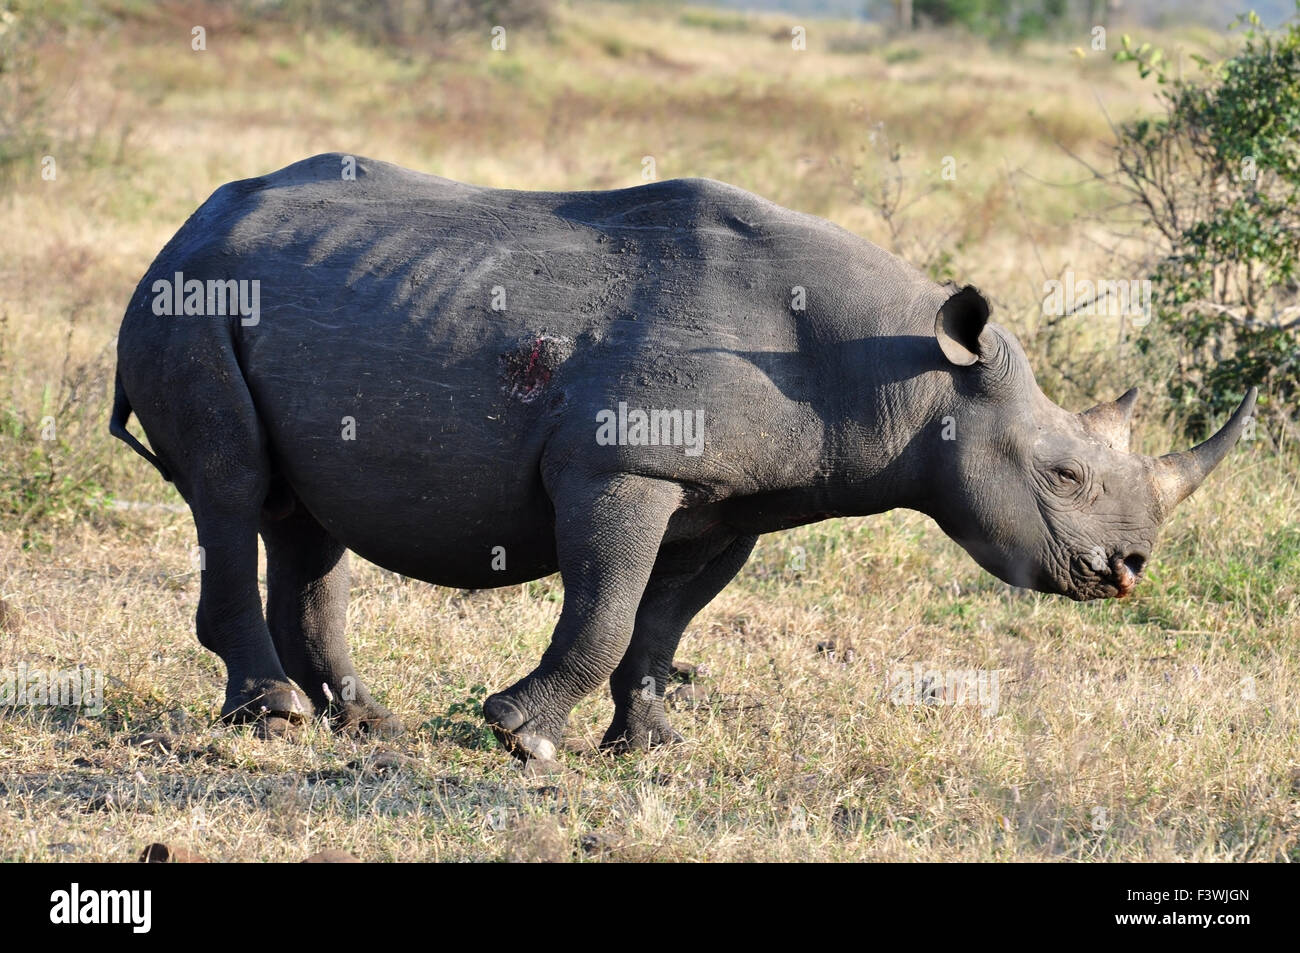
958,326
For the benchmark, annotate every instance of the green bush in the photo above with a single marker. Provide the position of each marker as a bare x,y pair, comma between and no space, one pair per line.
1216,178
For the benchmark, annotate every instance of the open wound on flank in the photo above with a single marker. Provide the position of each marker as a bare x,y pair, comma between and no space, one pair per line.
528,368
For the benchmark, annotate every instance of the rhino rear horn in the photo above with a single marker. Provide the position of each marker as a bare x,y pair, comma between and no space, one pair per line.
959,324
1179,474
1113,422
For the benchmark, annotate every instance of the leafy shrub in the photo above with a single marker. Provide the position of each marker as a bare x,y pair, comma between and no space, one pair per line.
1216,177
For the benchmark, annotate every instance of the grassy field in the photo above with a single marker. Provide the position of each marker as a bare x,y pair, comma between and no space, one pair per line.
1157,728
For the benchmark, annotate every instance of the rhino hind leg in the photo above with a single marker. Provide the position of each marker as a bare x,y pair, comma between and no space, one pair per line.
685,579
202,422
607,536
306,608
229,620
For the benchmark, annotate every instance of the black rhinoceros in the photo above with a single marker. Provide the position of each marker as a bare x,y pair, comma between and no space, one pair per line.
477,387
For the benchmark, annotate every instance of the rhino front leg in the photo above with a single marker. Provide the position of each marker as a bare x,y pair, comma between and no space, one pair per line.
607,537
306,608
686,577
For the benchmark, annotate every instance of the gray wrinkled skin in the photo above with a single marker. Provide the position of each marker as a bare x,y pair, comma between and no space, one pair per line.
474,335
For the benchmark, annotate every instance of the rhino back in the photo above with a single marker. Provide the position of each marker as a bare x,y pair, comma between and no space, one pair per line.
461,330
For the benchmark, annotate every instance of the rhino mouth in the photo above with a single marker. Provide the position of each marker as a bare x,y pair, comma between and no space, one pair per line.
1081,576
1115,579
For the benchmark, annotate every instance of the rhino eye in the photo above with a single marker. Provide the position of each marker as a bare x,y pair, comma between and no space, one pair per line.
1067,475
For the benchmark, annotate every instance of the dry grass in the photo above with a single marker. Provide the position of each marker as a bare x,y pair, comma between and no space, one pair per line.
1160,728
1157,728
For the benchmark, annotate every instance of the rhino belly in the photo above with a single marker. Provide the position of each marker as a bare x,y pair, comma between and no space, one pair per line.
415,461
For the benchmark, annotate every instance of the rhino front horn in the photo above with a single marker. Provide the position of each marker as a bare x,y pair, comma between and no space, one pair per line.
1179,474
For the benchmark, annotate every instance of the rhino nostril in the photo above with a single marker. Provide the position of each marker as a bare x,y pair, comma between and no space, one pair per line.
1135,563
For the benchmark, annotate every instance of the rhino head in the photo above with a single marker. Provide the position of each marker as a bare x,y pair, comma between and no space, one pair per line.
1041,497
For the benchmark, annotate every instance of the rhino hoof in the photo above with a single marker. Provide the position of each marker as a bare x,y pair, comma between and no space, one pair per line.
502,714
277,728
535,747
277,711
546,768
505,718
526,746
373,721
621,742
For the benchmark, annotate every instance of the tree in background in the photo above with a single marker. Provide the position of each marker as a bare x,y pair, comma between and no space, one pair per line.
1216,179
1006,19
903,13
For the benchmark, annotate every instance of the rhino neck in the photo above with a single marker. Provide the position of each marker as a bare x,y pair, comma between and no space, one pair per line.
884,453
877,449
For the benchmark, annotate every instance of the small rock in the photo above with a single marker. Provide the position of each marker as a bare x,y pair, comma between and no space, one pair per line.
157,853
382,762
688,672
689,696
62,847
332,856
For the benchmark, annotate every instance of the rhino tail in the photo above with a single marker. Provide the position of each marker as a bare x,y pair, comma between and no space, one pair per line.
117,427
